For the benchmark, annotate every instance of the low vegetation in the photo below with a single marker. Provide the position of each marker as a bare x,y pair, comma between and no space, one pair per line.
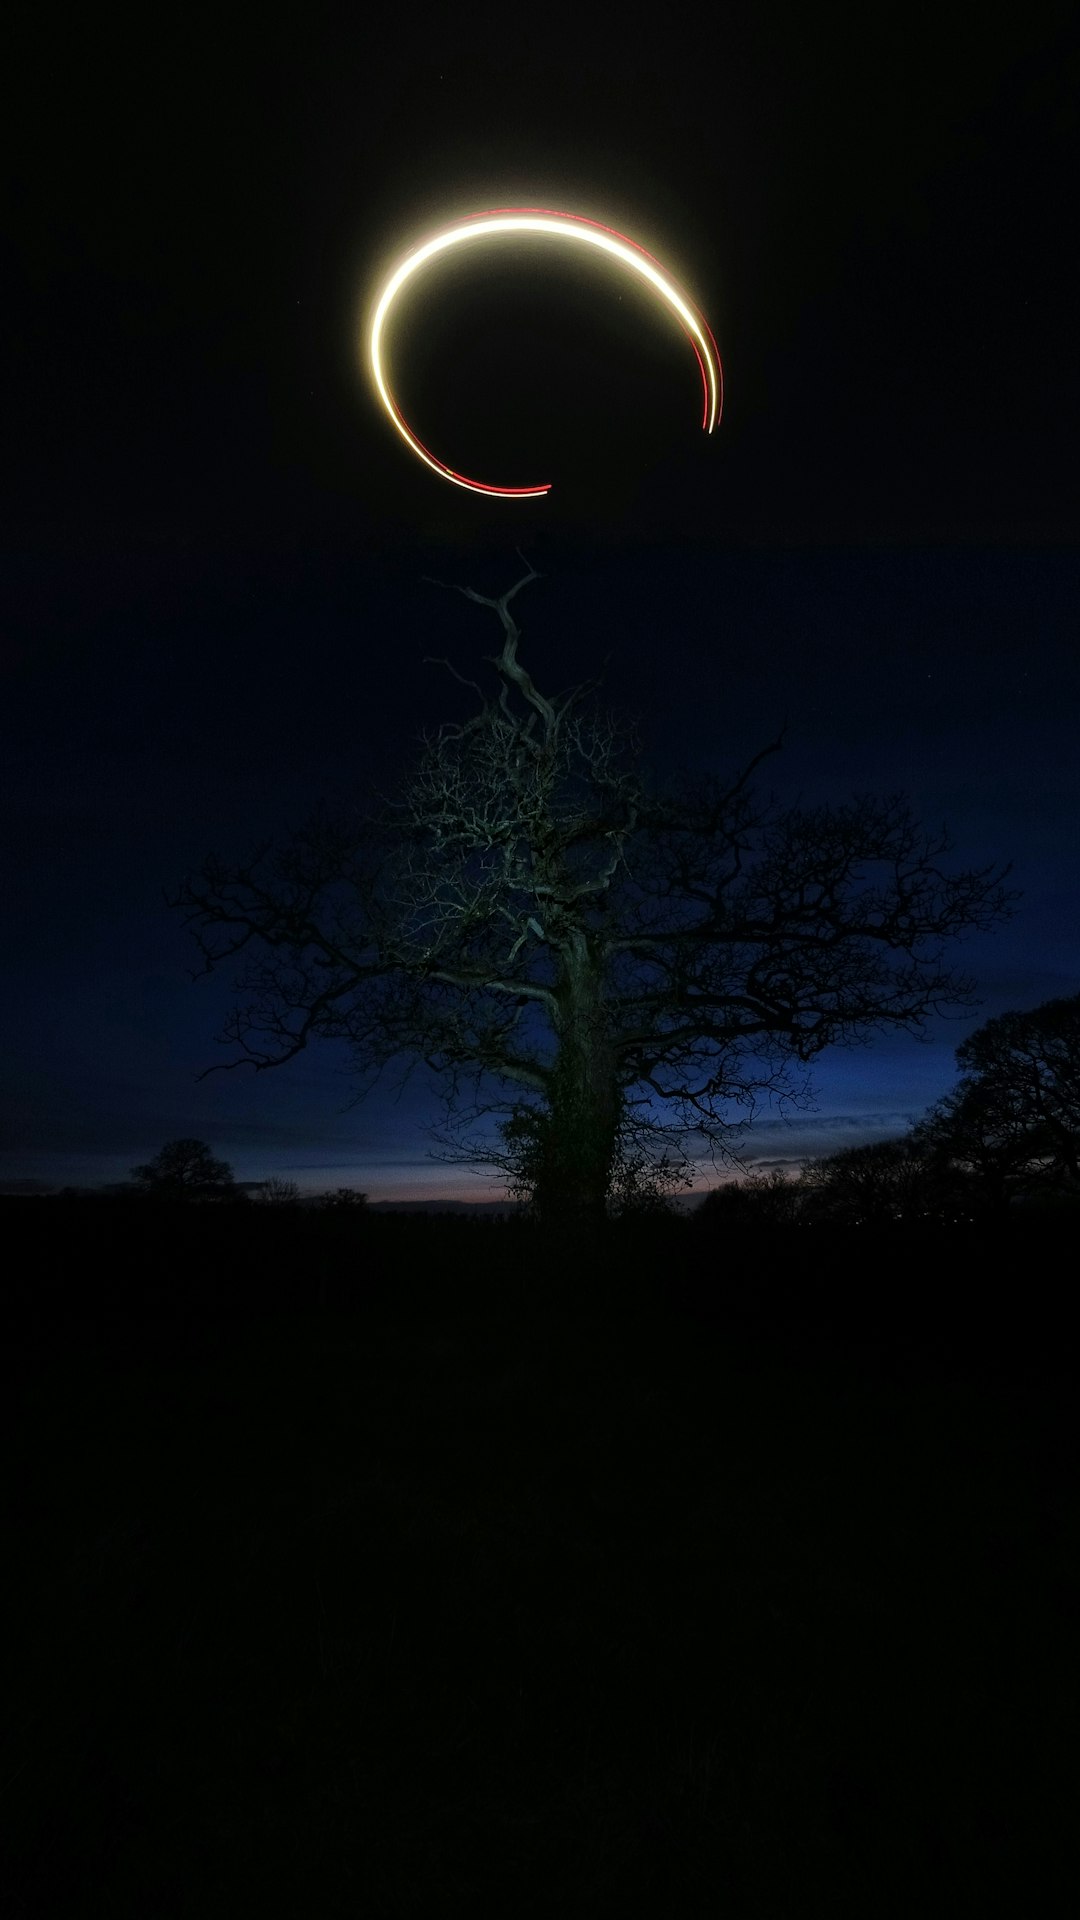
414,1566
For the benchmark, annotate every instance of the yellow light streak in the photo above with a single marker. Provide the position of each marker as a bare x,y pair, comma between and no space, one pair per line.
560,226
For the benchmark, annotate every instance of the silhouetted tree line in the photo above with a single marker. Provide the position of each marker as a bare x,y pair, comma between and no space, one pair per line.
187,1171
1008,1135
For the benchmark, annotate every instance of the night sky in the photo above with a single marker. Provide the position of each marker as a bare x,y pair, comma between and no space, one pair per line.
215,545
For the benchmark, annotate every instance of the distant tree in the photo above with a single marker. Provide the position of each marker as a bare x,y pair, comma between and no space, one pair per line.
186,1170
873,1185
1011,1127
345,1199
759,1200
534,920
979,1146
277,1192
1033,1060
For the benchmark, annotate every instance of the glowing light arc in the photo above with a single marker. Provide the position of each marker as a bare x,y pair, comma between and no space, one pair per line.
502,220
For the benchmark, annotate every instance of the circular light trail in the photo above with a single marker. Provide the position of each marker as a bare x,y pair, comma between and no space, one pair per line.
569,226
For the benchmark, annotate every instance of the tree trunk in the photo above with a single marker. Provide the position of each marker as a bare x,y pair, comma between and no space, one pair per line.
584,1102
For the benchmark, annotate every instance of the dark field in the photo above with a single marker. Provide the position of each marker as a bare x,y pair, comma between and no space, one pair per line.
353,1567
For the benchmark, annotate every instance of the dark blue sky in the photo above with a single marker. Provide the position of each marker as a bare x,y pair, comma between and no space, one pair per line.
215,548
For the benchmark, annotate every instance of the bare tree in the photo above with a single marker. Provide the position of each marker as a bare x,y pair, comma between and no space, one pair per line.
278,1192
633,967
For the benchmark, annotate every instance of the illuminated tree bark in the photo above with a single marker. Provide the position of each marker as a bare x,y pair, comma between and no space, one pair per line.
583,1093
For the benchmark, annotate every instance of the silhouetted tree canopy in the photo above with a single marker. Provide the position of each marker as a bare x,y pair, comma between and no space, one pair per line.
875,1185
186,1170
1012,1124
553,934
759,1200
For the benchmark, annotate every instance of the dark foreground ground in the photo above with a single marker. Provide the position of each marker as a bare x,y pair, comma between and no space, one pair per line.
351,1568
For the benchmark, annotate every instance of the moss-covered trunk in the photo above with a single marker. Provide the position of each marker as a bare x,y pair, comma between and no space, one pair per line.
582,1122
